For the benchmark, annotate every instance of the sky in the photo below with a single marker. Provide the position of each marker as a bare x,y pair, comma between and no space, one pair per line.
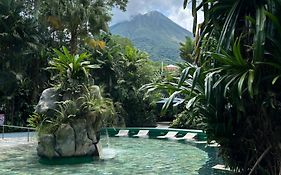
173,9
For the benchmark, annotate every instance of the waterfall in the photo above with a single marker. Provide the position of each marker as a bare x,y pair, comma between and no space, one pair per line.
107,152
99,149
107,137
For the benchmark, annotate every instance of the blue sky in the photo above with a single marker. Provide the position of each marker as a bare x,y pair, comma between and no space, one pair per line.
173,9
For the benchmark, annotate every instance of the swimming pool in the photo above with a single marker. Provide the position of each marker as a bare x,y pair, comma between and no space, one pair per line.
133,156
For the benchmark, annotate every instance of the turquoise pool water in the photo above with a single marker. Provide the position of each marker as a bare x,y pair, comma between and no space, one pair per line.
133,156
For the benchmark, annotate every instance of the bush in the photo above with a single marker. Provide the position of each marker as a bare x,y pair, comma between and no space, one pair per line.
186,120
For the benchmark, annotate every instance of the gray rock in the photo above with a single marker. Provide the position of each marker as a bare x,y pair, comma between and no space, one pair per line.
92,151
65,140
92,134
91,119
46,146
97,124
82,142
47,101
76,139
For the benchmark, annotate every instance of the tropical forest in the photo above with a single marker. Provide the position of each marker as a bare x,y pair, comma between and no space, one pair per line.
65,67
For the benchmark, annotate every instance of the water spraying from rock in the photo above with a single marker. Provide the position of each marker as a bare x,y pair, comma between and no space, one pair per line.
107,152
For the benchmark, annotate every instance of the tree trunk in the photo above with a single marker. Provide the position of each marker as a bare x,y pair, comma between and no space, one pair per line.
73,41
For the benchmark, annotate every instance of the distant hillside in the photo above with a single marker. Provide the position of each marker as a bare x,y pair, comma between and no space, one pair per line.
154,33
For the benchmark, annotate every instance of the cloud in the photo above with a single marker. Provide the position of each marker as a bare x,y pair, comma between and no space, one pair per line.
173,9
135,7
184,18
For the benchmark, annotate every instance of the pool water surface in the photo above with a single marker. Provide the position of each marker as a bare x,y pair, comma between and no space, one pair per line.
133,156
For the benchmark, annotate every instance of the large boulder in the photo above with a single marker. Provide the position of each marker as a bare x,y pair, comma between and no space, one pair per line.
47,101
65,140
91,119
83,144
77,136
75,139
46,146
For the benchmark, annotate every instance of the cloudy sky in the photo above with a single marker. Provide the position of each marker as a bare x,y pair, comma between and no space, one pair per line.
173,9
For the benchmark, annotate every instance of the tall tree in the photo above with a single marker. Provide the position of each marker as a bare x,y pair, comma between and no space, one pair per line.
21,76
70,21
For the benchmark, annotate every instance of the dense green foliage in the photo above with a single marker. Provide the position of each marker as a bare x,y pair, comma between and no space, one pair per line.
154,33
26,42
243,83
235,85
75,96
21,60
186,50
183,85
31,29
123,70
71,21
186,120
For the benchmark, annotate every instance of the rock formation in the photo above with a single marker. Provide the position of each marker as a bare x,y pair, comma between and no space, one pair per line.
74,136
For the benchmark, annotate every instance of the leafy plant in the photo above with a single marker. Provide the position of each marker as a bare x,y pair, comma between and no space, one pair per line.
187,120
92,100
241,81
186,50
42,123
67,110
35,120
191,86
70,68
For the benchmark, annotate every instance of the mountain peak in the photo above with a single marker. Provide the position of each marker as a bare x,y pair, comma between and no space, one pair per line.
155,12
154,33
152,15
